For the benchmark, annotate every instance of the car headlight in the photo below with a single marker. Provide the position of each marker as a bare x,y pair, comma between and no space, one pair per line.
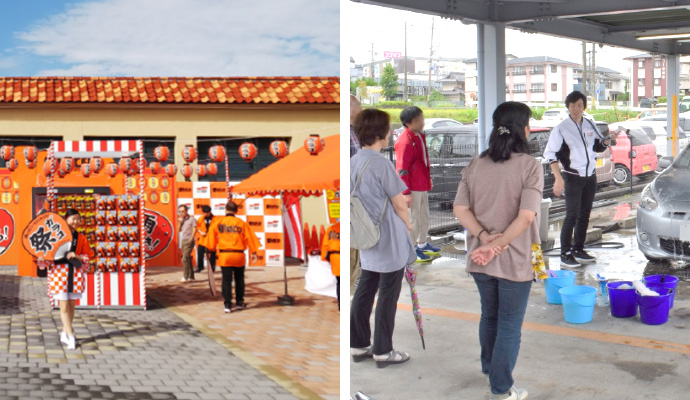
647,200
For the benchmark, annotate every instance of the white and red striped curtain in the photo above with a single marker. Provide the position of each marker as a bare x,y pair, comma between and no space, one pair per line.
292,219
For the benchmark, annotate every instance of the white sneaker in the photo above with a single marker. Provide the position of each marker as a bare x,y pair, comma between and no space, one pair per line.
513,394
64,338
72,345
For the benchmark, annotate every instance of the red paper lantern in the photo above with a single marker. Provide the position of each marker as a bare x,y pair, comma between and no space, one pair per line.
112,169
186,171
30,153
67,165
47,167
279,149
171,170
135,167
31,164
96,165
201,170
155,167
217,153
7,152
314,144
61,173
86,170
248,151
126,165
161,153
211,168
189,153
12,164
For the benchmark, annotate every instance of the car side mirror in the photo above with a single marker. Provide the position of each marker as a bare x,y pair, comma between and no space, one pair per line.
665,162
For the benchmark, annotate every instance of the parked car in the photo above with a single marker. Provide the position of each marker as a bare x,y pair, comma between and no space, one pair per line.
432,123
553,117
649,113
663,228
642,156
656,130
647,102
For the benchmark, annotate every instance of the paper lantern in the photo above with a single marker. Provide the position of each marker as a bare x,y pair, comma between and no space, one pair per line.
12,164
112,169
126,165
61,173
248,151
161,153
86,170
201,170
67,165
7,152
47,169
171,170
217,153
31,164
96,165
314,144
186,171
189,153
211,168
279,149
30,153
155,167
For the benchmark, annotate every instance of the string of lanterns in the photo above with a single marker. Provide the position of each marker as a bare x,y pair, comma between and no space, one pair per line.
247,151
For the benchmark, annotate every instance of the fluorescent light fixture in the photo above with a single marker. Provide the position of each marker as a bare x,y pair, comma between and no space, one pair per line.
666,36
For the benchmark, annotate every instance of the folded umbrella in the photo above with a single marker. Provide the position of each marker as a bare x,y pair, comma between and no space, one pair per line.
411,278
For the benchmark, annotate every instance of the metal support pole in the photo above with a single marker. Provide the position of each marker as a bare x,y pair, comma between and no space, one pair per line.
672,88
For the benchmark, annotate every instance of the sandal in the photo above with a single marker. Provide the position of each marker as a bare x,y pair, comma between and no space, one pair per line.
394,357
362,354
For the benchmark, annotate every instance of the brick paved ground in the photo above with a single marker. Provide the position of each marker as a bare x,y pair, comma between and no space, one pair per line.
152,354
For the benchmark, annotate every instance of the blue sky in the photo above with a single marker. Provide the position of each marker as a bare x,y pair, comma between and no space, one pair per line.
169,38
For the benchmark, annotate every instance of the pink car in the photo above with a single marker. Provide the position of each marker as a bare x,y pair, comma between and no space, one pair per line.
644,159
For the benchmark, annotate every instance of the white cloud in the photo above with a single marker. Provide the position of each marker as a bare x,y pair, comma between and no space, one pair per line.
191,38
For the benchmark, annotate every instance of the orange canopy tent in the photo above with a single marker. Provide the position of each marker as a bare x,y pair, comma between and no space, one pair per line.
299,173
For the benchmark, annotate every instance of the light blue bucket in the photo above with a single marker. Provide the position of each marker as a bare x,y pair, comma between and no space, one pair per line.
578,303
553,284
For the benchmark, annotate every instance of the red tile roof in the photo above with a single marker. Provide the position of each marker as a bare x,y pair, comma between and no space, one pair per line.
253,90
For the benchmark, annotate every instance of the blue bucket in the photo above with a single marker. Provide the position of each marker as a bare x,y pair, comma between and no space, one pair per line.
578,303
654,309
664,281
554,284
623,301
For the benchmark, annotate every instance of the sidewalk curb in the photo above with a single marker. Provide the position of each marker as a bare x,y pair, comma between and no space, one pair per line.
267,370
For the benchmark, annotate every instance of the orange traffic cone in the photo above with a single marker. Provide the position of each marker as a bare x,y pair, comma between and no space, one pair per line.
314,239
322,235
307,242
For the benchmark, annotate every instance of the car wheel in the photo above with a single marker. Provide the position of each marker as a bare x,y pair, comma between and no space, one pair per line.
621,174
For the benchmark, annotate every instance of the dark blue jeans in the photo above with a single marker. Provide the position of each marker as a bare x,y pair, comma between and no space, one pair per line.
503,309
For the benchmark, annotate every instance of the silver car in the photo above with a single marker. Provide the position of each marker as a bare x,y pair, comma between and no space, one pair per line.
663,218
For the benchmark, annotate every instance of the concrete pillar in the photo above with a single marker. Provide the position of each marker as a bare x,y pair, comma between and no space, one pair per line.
491,75
672,100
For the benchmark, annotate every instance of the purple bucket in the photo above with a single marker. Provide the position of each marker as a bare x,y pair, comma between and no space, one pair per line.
654,309
664,281
623,301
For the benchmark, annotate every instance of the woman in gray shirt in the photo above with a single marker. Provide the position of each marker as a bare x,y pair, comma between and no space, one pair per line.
498,202
383,264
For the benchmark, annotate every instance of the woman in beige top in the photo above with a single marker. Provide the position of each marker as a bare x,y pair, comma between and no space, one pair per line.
498,202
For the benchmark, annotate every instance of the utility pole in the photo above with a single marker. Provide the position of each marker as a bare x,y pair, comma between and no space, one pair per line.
371,69
405,62
584,68
431,54
594,75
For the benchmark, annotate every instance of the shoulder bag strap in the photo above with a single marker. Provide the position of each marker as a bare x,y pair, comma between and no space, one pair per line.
359,178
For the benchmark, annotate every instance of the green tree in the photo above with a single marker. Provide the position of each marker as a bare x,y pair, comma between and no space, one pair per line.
353,87
363,92
389,82
437,96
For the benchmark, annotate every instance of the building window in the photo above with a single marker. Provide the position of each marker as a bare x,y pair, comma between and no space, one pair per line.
519,71
640,64
41,142
507,71
239,169
554,87
640,82
608,84
507,89
537,88
554,68
657,63
538,69
519,88
657,82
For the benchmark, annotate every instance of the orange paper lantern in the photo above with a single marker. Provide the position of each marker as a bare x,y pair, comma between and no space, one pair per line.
67,165
161,153
7,152
30,153
126,165
12,164
189,153
248,151
201,170
61,173
86,170
211,168
314,144
47,167
186,171
155,167
96,165
112,169
31,164
171,170
217,153
279,149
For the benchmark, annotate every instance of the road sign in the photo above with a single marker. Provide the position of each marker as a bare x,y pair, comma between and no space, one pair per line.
392,54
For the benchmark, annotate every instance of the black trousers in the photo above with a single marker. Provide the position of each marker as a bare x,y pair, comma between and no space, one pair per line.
228,273
200,254
388,285
579,196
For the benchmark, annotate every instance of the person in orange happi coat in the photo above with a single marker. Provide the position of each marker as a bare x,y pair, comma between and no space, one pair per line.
230,237
66,276
330,251
202,227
